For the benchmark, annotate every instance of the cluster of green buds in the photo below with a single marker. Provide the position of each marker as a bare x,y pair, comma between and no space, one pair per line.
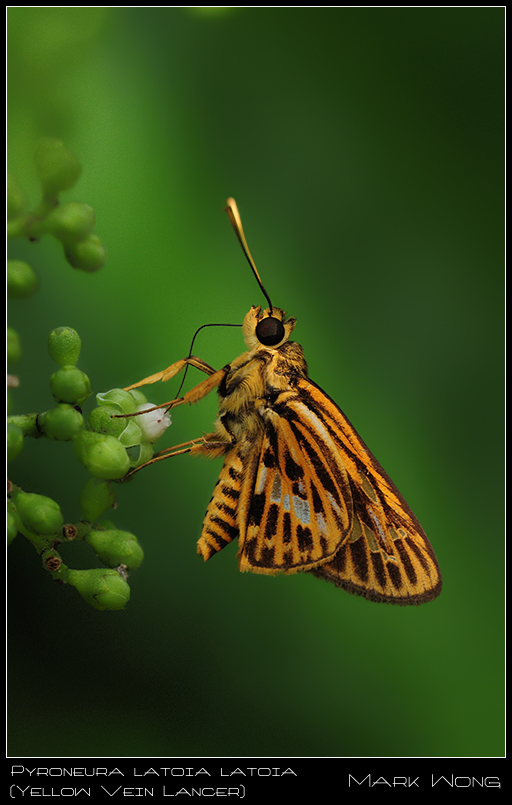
40,520
120,435
71,223
108,445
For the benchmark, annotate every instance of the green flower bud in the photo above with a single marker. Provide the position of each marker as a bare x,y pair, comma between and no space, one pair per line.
103,420
87,254
70,385
13,346
103,589
102,455
38,513
70,222
15,199
12,526
95,498
139,397
114,547
120,398
57,168
62,422
64,346
14,441
21,279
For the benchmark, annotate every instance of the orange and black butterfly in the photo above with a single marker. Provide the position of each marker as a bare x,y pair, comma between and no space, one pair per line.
299,489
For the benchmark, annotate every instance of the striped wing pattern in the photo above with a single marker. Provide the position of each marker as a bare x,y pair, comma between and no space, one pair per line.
296,513
387,556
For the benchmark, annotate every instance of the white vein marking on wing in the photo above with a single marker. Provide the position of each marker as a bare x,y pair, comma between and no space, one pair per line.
301,509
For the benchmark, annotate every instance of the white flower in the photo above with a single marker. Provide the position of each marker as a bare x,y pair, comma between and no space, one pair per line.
154,423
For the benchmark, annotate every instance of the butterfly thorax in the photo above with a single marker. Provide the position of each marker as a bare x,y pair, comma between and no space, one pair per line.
251,386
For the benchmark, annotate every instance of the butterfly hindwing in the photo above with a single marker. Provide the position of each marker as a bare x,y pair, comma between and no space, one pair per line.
285,524
296,508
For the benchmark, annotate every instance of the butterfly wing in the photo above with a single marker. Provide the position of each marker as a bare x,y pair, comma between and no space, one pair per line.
295,508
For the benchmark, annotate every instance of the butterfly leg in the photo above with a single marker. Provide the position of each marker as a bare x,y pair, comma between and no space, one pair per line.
195,394
209,446
172,371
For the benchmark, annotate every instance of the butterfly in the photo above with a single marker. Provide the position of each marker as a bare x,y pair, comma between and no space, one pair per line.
299,489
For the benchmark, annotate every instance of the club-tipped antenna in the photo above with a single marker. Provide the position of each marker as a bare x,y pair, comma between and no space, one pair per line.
236,221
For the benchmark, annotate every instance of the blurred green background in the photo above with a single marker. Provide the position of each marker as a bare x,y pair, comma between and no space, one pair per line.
364,147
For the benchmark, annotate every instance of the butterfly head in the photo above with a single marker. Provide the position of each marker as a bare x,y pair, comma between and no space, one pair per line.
261,328
266,328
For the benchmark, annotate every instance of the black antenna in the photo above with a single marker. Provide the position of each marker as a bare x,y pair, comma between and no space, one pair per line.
236,221
192,346
207,325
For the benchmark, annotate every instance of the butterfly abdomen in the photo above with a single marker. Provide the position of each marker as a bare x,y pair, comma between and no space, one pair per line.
220,525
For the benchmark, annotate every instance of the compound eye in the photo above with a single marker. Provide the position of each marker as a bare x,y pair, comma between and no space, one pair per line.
270,331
